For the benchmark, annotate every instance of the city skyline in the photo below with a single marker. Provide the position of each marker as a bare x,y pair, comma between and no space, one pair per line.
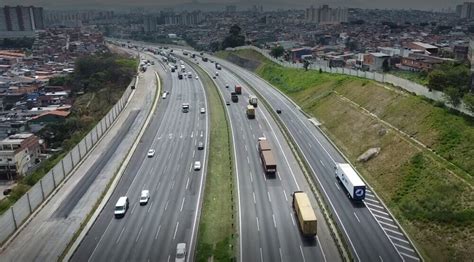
206,4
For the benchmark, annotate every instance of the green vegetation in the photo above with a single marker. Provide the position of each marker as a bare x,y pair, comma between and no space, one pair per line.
277,51
103,78
216,237
234,39
430,194
451,78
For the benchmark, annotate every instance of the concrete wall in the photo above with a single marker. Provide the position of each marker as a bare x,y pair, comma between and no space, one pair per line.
12,219
380,77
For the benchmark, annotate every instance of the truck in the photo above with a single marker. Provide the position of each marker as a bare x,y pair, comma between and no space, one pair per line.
234,97
353,184
253,100
238,89
250,111
305,215
266,155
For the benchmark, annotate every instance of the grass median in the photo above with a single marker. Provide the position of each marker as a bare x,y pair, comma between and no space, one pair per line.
216,237
424,169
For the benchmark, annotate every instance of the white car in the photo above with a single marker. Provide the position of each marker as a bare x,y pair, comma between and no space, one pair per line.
144,197
181,252
262,138
217,73
197,77
197,165
151,153
203,110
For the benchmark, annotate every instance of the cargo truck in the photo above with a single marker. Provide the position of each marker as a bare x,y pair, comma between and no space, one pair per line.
234,97
266,155
238,89
250,111
304,212
253,100
351,181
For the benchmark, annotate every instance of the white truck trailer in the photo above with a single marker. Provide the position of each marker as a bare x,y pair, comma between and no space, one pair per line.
351,181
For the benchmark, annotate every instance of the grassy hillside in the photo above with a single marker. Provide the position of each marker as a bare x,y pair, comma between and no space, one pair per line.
424,172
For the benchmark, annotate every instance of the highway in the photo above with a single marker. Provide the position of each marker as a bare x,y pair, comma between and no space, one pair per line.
369,229
151,232
267,224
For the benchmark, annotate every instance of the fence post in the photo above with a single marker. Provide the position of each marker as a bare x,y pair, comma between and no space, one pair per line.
42,190
85,142
72,159
29,203
79,149
54,180
64,170
14,220
96,134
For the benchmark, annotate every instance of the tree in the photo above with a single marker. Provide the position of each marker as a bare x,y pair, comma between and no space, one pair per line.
277,51
469,101
214,46
306,64
234,38
453,95
385,65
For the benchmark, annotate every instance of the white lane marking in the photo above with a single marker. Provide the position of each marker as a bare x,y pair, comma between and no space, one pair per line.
182,204
279,177
172,184
388,224
261,255
245,148
139,233
392,231
321,248
371,200
248,161
356,217
399,239
274,221
281,255
404,247
269,198
166,206
169,256
157,232
302,254
251,177
335,182
258,225
159,183
194,152
374,205
191,167
181,155
378,216
176,230
121,232
149,207
284,193
187,183
381,212
192,134
133,209
254,201
381,260
292,219
321,161
410,256
202,133
181,135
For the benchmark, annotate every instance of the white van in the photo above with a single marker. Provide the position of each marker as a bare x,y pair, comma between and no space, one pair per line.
121,207
164,95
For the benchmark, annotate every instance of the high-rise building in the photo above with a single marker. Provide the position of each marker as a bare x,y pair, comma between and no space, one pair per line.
149,23
325,15
184,18
467,10
21,18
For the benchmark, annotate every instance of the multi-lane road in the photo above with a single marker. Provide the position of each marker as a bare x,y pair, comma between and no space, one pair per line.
267,225
370,230
151,232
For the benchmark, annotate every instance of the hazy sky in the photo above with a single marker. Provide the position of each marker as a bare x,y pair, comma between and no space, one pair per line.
91,4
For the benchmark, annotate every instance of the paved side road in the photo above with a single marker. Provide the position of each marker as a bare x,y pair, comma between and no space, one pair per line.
49,232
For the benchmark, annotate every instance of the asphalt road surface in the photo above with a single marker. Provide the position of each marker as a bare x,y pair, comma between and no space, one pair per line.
369,229
151,232
268,226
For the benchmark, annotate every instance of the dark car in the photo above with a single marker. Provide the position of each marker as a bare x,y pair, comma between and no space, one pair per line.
278,111
200,146
227,102
133,87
